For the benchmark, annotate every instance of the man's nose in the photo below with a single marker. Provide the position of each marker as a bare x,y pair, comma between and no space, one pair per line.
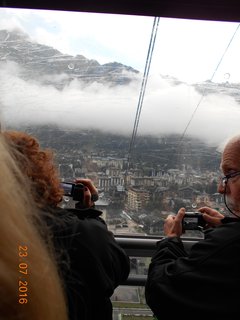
221,188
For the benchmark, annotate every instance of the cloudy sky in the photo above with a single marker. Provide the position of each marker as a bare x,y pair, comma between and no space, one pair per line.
185,49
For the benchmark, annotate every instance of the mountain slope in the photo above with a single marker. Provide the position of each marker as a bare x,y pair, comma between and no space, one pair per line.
43,63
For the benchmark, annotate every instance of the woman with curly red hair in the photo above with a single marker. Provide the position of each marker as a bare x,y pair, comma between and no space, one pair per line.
91,262
38,165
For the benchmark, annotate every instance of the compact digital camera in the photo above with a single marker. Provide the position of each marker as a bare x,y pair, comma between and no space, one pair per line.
193,221
74,190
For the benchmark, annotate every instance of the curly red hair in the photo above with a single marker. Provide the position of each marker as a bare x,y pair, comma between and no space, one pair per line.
38,164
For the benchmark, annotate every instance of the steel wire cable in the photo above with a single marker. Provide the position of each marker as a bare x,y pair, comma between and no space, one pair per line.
143,89
204,91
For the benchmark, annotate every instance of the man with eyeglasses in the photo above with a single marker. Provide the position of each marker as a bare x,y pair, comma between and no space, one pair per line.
205,281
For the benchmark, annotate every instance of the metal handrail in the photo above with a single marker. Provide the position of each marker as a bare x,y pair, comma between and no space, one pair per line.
143,246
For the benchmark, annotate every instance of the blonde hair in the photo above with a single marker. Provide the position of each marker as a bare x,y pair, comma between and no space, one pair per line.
27,271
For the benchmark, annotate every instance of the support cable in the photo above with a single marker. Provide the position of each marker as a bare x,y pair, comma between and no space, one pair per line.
204,91
142,91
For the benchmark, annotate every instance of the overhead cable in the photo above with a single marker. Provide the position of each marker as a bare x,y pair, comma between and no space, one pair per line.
204,91
143,88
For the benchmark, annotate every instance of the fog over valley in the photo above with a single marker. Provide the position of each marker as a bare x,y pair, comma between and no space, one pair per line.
54,89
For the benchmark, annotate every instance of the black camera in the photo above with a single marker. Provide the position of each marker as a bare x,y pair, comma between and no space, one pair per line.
74,190
193,221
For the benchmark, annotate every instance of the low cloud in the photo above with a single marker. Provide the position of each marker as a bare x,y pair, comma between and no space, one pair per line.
167,107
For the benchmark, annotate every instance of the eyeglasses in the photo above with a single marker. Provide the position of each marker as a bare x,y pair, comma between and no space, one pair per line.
225,179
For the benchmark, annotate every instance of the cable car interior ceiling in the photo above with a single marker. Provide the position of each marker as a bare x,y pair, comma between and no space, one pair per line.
222,10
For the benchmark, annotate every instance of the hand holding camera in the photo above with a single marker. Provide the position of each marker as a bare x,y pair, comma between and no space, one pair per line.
176,225
212,217
204,218
173,224
83,191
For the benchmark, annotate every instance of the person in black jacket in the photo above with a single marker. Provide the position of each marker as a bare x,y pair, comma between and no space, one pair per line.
202,283
90,261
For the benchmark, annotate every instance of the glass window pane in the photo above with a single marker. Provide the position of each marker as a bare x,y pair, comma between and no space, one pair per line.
140,105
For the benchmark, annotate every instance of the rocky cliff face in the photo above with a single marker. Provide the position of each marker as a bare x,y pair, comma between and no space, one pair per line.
49,66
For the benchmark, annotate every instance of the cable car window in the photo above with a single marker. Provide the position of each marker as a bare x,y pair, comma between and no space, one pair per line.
140,105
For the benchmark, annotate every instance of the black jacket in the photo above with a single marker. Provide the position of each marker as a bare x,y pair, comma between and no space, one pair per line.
91,262
202,284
